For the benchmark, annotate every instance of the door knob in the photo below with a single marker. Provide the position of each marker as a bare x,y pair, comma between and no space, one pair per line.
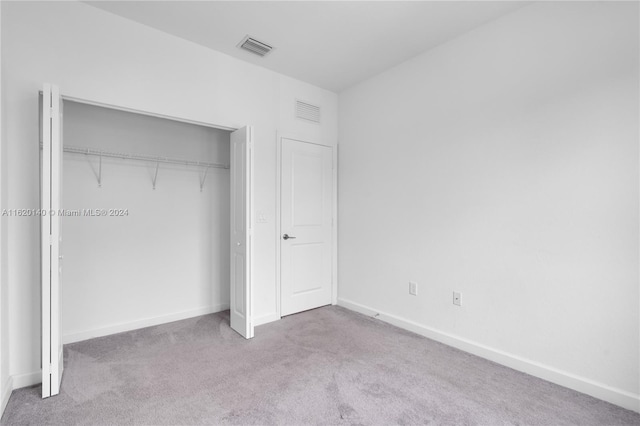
286,237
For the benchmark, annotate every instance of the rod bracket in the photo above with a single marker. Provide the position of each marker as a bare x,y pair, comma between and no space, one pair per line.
155,176
203,178
100,172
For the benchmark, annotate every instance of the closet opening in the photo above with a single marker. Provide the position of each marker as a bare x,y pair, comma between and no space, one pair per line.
146,220
146,230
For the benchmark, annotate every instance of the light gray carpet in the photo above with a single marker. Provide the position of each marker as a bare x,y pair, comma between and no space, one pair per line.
326,366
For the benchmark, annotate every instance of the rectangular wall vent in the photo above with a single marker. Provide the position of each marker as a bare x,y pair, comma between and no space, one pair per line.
307,111
254,46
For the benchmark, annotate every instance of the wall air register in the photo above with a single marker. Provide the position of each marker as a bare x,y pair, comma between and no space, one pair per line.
307,111
254,46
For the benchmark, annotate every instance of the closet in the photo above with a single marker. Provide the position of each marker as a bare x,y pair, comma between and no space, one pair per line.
146,220
146,238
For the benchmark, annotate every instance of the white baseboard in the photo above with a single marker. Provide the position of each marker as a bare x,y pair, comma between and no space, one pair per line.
78,336
27,379
5,394
266,319
598,390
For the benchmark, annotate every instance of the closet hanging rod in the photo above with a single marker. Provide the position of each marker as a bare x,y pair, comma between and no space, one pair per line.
140,157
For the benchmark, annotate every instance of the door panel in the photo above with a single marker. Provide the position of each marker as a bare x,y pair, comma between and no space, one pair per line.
306,209
51,239
241,215
307,272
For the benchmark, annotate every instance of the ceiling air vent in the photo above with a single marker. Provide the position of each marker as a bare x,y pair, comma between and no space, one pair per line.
254,46
307,111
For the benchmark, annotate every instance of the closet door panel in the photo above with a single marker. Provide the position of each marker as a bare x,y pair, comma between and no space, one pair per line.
241,229
51,239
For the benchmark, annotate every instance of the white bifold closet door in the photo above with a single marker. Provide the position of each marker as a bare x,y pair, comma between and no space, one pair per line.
51,238
241,230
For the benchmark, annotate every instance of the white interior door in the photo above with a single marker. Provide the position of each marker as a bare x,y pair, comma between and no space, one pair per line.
51,257
305,220
241,228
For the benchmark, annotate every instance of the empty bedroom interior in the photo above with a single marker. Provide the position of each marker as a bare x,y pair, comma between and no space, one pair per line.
492,172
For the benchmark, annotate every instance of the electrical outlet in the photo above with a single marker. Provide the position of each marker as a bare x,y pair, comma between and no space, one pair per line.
413,288
457,298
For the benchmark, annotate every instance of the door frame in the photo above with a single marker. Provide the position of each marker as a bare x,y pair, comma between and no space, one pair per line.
334,217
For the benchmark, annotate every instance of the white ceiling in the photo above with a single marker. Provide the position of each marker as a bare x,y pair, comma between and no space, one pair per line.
331,44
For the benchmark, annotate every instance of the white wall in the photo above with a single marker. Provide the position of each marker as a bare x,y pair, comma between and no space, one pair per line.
168,258
504,165
5,384
94,55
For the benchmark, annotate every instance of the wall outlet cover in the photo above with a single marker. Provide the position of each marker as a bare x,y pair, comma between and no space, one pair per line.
457,298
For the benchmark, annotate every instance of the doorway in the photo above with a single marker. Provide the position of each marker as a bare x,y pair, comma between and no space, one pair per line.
147,178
